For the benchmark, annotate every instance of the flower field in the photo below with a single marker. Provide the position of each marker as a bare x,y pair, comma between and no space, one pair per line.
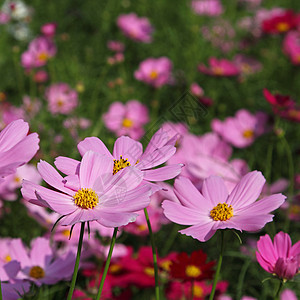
150,150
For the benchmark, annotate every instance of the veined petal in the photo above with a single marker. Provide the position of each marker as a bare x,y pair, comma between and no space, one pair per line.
247,190
80,215
158,140
116,220
72,182
282,244
266,249
93,144
183,215
201,232
128,148
214,190
295,250
52,177
68,166
163,173
266,265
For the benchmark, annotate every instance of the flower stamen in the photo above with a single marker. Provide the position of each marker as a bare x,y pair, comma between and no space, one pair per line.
86,198
37,272
120,164
222,212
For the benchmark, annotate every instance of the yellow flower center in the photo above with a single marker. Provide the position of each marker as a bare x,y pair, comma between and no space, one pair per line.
86,198
60,103
248,134
153,75
43,57
142,227
66,232
198,291
166,265
283,26
149,271
222,212
120,164
193,271
37,272
217,70
114,269
7,258
127,123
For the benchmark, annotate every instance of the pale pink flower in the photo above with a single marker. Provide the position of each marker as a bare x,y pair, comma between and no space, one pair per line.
49,29
16,147
137,29
214,208
288,294
219,67
175,130
61,98
155,71
115,46
279,258
247,65
40,265
128,153
242,129
127,119
10,113
196,90
291,46
4,18
207,7
40,50
31,107
90,191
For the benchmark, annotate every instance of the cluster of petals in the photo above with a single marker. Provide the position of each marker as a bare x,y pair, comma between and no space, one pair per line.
136,28
219,67
40,50
49,29
17,147
207,7
62,99
279,258
127,119
155,71
291,46
214,208
242,129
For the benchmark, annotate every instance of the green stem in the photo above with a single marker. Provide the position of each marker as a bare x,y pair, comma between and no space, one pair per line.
213,290
154,254
0,291
72,287
112,244
242,278
279,290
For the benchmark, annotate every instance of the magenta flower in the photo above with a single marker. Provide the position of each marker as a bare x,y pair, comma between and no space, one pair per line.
40,50
242,129
61,98
40,264
207,7
214,208
137,29
222,67
155,71
291,46
16,147
127,119
49,29
279,258
128,153
90,191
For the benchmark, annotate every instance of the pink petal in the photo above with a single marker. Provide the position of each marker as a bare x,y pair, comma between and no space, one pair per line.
72,182
128,148
94,144
189,195
214,190
202,232
282,244
295,250
247,190
19,252
267,250
52,177
41,252
116,220
266,265
183,215
80,215
67,165
158,140
92,166
163,173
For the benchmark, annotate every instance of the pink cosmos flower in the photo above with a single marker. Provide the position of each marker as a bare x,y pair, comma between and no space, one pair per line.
10,113
127,119
288,294
210,8
247,65
155,71
280,257
242,129
291,46
12,291
40,264
40,76
4,18
49,29
61,98
137,29
128,153
16,147
222,67
214,208
198,92
40,50
115,46
90,191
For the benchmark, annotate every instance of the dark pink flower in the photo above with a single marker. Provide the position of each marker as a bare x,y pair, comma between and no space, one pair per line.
49,29
291,46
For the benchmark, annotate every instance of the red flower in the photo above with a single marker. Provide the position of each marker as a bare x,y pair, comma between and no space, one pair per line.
192,267
281,23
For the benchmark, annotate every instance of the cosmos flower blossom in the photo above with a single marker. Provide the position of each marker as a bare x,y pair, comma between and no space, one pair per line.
127,119
214,208
155,71
90,191
129,153
136,28
291,46
210,8
16,147
279,258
